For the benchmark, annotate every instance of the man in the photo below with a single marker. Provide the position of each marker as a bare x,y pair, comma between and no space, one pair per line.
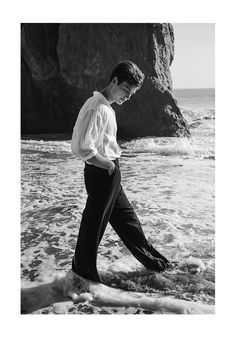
94,141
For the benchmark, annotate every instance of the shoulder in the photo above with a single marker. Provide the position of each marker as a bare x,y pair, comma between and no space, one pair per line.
100,109
93,103
95,108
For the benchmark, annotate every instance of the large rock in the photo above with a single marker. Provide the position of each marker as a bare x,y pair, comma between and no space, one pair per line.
62,64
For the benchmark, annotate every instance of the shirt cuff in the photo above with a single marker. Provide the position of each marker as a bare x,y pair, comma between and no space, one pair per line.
90,155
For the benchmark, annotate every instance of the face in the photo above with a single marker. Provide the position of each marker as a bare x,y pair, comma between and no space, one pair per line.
122,92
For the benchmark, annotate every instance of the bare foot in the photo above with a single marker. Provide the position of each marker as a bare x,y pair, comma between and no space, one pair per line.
74,285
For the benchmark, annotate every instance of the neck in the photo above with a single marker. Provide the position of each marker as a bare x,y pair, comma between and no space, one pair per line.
107,93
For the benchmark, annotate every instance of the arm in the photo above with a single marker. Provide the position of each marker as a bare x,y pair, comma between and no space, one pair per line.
99,161
85,134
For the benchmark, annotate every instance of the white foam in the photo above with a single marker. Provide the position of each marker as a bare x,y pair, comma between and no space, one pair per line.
171,147
51,291
46,146
101,294
173,197
192,264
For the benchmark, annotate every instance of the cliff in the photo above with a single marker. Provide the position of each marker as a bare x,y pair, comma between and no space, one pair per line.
62,64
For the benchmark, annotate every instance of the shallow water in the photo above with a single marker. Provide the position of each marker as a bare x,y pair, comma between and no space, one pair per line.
170,183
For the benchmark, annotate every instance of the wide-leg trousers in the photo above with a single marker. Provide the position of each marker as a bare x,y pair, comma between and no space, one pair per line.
107,202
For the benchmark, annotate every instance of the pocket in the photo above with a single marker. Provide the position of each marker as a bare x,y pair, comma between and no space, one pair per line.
114,171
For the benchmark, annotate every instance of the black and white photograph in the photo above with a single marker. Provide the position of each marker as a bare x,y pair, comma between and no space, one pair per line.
117,168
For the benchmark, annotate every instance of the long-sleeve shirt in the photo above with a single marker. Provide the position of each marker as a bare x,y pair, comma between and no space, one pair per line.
95,130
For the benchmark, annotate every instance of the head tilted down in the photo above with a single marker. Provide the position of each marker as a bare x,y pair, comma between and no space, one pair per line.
125,80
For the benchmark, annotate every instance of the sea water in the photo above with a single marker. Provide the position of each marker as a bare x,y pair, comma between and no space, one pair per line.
170,183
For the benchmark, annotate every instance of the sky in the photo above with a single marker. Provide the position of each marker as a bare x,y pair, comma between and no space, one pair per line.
194,61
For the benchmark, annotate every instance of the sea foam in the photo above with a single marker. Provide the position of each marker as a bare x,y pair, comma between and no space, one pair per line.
66,291
172,147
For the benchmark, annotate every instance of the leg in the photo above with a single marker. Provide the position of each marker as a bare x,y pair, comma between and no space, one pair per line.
127,225
102,190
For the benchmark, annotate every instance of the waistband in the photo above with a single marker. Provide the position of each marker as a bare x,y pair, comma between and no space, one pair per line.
115,161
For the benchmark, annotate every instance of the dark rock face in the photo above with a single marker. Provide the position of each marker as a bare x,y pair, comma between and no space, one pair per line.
62,64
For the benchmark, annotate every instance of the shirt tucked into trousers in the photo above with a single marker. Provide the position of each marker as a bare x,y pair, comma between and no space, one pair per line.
95,132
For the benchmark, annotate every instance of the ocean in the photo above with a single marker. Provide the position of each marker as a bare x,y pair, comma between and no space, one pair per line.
171,185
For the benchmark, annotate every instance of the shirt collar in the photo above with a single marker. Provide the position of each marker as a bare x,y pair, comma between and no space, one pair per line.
101,97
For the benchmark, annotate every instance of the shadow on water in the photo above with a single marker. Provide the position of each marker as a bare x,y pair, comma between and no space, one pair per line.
42,296
46,295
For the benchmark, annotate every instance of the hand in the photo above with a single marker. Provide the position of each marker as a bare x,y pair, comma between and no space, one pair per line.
111,168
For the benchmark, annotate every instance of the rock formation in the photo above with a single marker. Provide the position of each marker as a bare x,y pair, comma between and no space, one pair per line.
62,64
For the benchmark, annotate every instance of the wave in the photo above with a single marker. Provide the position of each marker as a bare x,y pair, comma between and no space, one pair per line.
176,147
159,146
198,116
100,294
123,287
46,146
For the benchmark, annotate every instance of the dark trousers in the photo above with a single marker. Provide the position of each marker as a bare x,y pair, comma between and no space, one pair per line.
107,202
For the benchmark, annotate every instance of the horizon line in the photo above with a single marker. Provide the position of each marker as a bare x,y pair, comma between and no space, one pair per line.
184,88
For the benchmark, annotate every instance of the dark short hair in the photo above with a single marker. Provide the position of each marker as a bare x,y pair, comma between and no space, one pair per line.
127,71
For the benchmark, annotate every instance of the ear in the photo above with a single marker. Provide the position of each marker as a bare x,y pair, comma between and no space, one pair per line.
114,80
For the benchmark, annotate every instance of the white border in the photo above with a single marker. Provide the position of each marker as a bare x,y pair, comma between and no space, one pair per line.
14,12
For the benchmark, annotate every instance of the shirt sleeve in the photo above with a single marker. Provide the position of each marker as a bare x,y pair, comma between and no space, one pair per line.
85,134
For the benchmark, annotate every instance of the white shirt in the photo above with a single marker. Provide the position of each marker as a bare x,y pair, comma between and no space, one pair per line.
95,130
